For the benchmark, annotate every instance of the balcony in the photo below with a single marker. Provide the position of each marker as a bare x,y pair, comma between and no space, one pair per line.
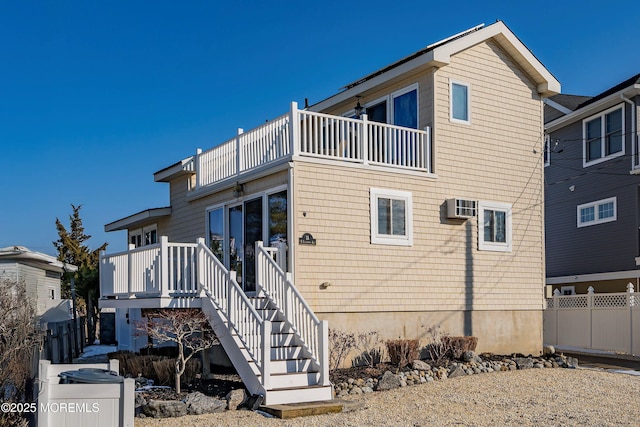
303,134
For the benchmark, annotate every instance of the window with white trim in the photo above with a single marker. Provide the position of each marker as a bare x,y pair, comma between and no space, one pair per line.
459,95
597,212
547,150
144,236
391,217
603,136
398,108
494,226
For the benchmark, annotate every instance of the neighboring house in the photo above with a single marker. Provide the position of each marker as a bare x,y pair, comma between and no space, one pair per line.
410,199
41,274
592,191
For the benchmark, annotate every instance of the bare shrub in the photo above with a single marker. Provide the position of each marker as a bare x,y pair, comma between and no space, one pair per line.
18,340
437,347
402,351
165,371
340,345
188,328
457,346
369,346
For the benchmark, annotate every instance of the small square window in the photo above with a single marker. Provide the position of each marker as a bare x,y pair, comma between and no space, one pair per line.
460,95
494,231
391,217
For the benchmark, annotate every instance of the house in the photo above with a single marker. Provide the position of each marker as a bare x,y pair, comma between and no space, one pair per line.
592,191
412,198
41,274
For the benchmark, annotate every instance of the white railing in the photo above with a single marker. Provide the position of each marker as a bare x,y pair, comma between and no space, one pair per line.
311,134
275,284
608,321
188,270
221,286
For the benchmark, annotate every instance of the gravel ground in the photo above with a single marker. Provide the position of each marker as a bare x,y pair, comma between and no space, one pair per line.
532,397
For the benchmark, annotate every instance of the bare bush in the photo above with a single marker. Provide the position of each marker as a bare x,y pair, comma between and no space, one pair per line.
18,339
369,345
457,346
437,347
402,351
340,345
188,328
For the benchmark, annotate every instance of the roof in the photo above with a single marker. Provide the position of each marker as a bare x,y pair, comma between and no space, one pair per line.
570,102
439,54
138,219
590,105
21,253
561,104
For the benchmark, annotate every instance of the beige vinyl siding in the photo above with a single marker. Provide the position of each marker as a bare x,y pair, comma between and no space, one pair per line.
38,284
492,159
188,220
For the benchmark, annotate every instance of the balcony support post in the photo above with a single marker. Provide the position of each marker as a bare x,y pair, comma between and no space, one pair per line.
364,139
164,266
294,128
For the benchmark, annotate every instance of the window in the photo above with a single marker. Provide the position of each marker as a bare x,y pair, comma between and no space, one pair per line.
597,212
391,217
144,236
399,108
568,290
494,227
547,150
460,110
603,136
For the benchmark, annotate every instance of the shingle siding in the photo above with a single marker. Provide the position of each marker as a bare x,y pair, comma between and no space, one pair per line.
598,248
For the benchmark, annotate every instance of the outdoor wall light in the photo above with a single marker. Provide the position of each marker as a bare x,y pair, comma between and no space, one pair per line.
325,285
238,190
358,108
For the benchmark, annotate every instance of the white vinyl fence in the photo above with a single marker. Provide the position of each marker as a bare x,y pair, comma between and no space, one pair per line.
609,322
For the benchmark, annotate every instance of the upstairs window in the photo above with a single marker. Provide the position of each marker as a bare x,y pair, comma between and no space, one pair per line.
391,217
603,136
460,110
597,212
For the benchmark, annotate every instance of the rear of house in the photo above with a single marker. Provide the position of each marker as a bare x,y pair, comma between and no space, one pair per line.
412,198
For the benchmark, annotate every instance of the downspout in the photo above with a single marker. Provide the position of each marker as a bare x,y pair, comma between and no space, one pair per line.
634,137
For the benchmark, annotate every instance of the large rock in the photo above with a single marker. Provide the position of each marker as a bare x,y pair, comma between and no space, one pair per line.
471,356
457,372
523,362
549,350
421,365
164,408
389,381
235,398
198,404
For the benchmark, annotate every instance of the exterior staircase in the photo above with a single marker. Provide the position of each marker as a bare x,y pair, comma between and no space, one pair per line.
274,340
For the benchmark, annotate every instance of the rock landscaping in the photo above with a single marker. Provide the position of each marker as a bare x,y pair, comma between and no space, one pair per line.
421,372
163,402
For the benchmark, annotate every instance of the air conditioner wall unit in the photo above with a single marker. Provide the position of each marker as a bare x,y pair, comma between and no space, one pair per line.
461,208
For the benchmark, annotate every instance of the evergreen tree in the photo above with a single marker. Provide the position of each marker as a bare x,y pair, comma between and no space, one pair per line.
72,249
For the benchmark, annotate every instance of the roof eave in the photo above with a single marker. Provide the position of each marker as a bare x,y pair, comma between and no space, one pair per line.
137,219
183,167
590,109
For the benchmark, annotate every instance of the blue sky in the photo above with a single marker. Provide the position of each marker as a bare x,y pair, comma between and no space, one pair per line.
97,96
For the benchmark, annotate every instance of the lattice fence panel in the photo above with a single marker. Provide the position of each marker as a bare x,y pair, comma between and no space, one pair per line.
574,301
610,300
550,302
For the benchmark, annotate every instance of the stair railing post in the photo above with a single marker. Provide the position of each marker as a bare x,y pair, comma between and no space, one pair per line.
259,271
323,350
199,267
164,265
631,304
266,354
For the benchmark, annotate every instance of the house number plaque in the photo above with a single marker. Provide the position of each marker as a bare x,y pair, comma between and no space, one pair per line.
307,239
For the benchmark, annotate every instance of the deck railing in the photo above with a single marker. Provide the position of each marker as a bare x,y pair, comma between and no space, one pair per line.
276,285
310,134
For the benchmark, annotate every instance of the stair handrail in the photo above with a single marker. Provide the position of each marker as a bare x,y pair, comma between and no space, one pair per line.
220,285
275,284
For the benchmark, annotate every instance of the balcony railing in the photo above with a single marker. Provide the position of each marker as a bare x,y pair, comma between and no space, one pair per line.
302,133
